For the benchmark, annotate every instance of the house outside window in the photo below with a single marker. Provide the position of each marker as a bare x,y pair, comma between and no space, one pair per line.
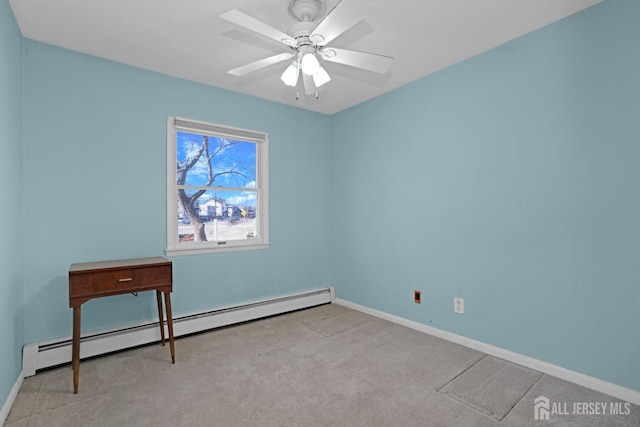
217,188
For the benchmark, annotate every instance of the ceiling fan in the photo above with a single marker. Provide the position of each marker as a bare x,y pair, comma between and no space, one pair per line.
307,42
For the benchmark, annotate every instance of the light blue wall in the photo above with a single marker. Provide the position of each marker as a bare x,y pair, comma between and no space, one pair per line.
95,188
11,315
510,180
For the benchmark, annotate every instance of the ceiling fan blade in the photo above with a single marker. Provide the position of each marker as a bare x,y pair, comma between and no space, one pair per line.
258,65
345,15
367,61
243,20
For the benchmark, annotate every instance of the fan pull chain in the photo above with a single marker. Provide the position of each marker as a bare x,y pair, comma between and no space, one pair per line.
298,95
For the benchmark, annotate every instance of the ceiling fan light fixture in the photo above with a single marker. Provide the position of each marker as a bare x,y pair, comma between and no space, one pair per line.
321,77
309,64
290,75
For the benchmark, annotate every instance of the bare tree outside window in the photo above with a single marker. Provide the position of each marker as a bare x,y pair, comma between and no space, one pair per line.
204,155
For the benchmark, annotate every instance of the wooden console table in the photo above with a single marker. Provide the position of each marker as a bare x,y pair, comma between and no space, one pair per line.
100,279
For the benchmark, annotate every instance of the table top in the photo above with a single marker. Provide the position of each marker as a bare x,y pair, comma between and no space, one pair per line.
121,263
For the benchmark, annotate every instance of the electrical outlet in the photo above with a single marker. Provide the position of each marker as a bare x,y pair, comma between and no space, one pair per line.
417,297
458,305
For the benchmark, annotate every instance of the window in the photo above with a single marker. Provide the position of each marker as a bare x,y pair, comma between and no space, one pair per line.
217,197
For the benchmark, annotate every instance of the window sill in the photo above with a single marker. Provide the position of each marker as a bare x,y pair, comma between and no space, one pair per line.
171,252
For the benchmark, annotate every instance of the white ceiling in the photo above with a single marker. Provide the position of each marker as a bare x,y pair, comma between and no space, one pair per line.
187,39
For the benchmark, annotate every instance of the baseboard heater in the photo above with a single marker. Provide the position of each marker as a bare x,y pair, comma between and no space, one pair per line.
58,352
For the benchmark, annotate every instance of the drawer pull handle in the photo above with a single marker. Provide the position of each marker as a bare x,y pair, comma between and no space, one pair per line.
128,279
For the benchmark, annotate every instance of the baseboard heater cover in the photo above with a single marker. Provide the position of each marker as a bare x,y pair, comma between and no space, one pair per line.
58,352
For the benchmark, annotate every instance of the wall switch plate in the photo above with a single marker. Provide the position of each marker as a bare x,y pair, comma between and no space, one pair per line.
417,297
458,305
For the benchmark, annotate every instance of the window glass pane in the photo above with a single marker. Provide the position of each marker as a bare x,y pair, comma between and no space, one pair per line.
232,163
216,215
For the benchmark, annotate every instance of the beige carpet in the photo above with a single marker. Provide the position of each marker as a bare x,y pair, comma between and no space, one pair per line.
325,366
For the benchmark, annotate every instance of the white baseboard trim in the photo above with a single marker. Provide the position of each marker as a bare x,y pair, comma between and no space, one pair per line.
4,413
614,390
57,352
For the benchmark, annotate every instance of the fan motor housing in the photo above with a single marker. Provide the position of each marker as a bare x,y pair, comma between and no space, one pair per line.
306,10
301,29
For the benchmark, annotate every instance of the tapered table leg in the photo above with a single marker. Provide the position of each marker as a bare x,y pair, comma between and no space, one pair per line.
75,352
167,303
159,298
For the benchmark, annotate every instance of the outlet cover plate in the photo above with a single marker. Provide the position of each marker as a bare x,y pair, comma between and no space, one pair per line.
458,305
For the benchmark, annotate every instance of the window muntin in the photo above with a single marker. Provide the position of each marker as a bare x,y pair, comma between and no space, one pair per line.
217,188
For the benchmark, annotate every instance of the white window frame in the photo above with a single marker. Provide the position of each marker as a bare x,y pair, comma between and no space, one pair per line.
175,124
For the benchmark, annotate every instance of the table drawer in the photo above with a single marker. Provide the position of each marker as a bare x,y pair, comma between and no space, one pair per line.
118,280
